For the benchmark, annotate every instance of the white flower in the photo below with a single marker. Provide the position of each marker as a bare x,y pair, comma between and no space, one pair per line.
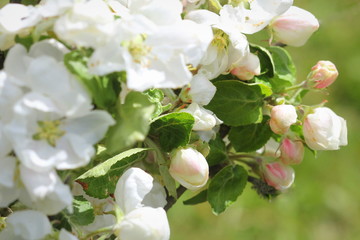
16,19
26,225
45,191
51,8
152,56
247,68
227,48
52,125
144,223
201,90
8,187
294,27
190,168
252,20
141,199
205,120
159,12
87,23
136,189
65,235
324,130
282,117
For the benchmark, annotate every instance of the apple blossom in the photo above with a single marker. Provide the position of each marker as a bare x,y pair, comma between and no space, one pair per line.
254,19
247,68
278,175
322,75
86,24
141,199
190,168
282,117
324,130
292,152
144,223
294,27
26,225
205,120
140,190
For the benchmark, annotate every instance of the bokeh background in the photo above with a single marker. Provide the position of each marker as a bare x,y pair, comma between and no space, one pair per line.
324,203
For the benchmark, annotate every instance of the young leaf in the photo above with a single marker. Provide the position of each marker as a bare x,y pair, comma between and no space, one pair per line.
226,187
237,103
173,130
132,122
266,62
199,198
156,96
250,137
217,151
83,211
285,71
100,181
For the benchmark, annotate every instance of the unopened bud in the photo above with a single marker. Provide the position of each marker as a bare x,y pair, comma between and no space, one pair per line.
279,175
282,117
324,130
294,27
292,152
190,168
323,74
247,69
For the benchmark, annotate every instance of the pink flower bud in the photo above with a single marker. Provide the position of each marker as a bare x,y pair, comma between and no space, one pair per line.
324,130
323,74
294,27
190,168
248,68
292,152
282,117
279,175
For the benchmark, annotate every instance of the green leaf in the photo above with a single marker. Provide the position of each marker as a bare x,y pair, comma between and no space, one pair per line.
132,123
26,41
250,137
83,211
199,198
156,96
103,89
266,62
226,187
285,71
173,130
100,181
237,103
265,88
217,151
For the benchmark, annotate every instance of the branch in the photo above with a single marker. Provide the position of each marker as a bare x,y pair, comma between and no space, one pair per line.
171,200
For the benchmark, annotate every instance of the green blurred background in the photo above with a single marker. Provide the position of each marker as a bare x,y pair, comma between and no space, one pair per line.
324,203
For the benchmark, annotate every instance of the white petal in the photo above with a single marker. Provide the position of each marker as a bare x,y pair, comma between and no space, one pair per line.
28,224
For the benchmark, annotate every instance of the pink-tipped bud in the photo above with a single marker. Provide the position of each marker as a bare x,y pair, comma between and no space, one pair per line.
282,117
294,27
248,68
279,175
292,152
324,130
190,168
322,75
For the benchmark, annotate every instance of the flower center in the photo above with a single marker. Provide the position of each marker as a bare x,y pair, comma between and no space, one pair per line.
49,131
138,49
221,39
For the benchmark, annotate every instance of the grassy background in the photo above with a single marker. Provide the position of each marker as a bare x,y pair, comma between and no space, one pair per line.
324,203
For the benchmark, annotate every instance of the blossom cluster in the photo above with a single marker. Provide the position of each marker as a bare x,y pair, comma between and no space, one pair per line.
109,105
